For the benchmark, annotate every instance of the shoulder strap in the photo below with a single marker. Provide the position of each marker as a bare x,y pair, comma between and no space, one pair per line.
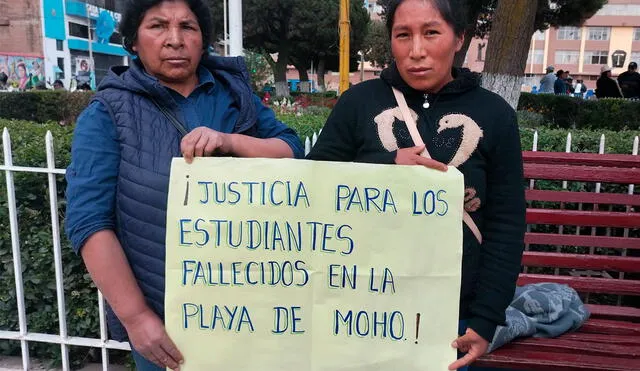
412,126
174,121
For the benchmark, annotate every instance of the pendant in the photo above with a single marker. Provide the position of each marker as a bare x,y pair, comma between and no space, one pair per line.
426,101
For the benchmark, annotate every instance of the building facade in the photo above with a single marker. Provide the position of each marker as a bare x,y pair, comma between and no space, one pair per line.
611,38
46,40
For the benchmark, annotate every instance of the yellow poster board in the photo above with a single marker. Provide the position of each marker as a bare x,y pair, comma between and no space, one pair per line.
313,266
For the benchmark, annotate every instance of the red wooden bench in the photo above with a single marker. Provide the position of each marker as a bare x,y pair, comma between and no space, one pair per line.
603,258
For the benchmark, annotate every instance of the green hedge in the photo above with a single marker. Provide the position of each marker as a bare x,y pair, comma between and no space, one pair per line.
42,106
555,111
81,299
569,112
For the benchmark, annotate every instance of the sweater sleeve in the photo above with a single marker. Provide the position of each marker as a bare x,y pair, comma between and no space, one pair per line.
340,139
503,233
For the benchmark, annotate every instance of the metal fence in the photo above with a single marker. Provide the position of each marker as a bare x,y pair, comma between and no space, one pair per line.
23,335
62,338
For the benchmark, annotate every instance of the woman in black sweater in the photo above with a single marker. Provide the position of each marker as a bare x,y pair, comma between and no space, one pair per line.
462,125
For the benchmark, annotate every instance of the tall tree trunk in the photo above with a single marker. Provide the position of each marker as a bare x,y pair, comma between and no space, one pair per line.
320,73
280,74
509,42
305,85
458,61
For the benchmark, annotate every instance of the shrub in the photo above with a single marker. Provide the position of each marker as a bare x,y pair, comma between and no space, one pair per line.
43,106
569,112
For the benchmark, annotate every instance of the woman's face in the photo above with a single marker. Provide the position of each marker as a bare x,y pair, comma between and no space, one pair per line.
423,45
22,71
169,42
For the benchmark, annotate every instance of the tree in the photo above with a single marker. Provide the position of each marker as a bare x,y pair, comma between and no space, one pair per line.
319,38
316,32
377,45
267,26
298,31
259,70
478,18
514,23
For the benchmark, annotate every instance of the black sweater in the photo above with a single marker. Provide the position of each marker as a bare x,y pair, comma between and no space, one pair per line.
467,127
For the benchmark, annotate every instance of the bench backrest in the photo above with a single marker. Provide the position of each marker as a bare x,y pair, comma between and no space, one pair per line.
585,238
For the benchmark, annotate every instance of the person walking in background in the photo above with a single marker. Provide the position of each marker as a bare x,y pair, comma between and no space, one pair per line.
3,80
547,81
560,85
629,82
606,87
580,89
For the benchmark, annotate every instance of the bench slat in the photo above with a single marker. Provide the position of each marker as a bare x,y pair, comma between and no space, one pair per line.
599,338
562,345
610,311
524,358
581,261
586,241
583,218
589,159
583,197
609,327
581,173
586,284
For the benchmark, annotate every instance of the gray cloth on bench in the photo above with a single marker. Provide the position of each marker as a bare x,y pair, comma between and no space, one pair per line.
543,310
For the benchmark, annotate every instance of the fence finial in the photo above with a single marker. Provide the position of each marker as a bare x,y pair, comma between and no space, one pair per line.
568,148
307,146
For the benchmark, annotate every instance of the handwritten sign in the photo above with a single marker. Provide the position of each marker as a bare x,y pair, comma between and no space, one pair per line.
301,265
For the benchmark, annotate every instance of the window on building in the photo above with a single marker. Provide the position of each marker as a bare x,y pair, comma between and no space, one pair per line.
636,34
569,33
116,38
78,30
620,9
635,57
538,35
60,75
110,4
481,47
536,57
596,57
59,45
599,33
567,57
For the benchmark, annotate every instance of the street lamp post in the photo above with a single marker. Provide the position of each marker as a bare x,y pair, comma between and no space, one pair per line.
235,28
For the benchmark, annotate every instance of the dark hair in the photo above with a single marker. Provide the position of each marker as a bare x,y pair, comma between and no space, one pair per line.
136,9
3,77
452,11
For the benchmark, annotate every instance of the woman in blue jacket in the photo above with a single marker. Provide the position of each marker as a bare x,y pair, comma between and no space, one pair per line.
174,100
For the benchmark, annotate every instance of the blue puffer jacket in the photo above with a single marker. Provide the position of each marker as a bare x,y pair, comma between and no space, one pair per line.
143,181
